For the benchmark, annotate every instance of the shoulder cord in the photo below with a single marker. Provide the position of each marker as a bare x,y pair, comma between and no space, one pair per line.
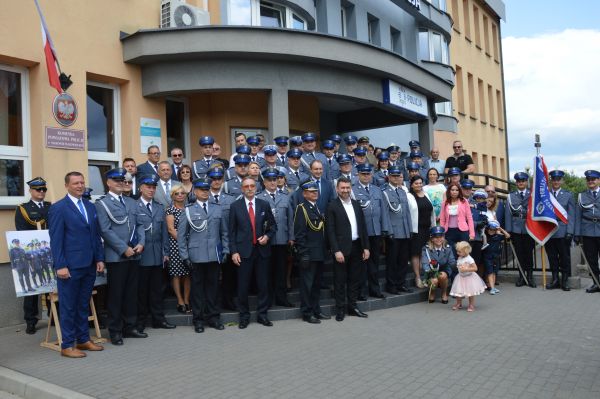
309,223
305,163
396,209
28,219
590,206
196,170
511,205
197,229
111,217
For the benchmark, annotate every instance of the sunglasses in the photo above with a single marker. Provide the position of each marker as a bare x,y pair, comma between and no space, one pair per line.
177,155
179,193
127,182
41,189
457,146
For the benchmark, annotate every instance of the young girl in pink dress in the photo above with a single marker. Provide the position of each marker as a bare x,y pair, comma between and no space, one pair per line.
467,283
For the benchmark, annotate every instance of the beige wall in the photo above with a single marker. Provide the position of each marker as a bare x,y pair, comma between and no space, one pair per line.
480,121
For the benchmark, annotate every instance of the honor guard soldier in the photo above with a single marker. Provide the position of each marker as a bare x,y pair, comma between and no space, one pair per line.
398,243
281,143
295,175
124,241
515,215
333,168
309,234
558,247
202,166
151,215
587,223
233,186
284,218
394,152
337,139
377,221
351,143
32,215
254,143
380,177
309,153
203,241
240,150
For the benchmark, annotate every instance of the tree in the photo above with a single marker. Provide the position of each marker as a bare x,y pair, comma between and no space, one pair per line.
574,184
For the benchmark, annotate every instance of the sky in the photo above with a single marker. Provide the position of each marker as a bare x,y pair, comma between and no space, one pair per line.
552,79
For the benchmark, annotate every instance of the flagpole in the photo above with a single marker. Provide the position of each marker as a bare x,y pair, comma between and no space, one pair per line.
538,145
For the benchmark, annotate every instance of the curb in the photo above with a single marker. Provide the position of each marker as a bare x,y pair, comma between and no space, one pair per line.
28,387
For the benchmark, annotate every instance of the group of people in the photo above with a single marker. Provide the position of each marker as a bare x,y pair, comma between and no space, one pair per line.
223,228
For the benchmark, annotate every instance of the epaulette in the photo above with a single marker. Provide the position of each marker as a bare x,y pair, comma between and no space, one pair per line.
102,197
192,204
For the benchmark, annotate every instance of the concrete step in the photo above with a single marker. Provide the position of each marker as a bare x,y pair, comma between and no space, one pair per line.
511,276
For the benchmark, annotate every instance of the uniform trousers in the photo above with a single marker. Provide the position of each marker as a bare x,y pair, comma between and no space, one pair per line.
310,287
398,251
277,286
122,278
31,309
74,295
24,279
228,283
524,245
260,265
347,277
559,255
205,280
370,278
591,248
150,295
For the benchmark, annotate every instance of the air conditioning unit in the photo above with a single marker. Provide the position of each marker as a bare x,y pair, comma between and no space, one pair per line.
179,14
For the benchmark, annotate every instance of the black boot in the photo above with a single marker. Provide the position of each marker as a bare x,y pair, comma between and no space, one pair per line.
554,284
565,282
530,279
520,281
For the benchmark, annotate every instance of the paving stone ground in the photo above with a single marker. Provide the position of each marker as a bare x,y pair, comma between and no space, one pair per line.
523,343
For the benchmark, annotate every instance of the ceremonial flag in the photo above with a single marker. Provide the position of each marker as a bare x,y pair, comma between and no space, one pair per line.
544,211
50,53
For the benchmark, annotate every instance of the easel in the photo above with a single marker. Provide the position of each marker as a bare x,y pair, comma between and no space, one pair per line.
56,344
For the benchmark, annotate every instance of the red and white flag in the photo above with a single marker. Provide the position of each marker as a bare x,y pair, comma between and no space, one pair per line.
50,53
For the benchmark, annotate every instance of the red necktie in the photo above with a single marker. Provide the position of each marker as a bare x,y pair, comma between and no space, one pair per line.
252,223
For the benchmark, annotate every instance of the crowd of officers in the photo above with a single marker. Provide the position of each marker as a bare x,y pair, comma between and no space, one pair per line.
241,227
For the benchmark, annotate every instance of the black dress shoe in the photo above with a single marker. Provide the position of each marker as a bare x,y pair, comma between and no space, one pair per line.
199,328
217,325
134,333
357,312
163,324
30,329
392,291
243,324
339,316
592,289
285,304
377,295
116,339
564,283
520,281
311,319
404,288
265,322
322,316
181,308
361,298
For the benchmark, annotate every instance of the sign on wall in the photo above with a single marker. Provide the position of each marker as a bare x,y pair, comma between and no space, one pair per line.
66,139
403,97
149,133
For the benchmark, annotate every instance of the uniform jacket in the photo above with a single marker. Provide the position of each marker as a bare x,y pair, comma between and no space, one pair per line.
339,231
587,215
396,204
333,169
379,178
155,231
307,158
33,214
309,233
233,186
240,229
283,214
119,233
377,219
76,243
515,212
200,167
565,199
201,235
225,200
465,217
292,180
444,257
18,258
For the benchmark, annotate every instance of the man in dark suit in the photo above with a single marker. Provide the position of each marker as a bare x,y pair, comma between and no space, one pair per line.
251,228
177,159
77,253
150,167
349,243
326,192
32,215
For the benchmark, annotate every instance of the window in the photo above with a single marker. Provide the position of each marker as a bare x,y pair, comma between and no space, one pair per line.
433,46
484,161
298,22
444,108
502,169
490,94
271,15
348,19
494,166
439,4
264,13
486,35
373,28
495,42
454,14
467,19
344,19
499,107
481,100
477,26
14,134
240,12
395,41
471,95
177,125
460,93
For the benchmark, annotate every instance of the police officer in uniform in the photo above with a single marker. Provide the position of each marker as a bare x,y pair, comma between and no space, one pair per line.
515,215
201,166
203,242
438,259
32,215
232,171
587,223
346,169
295,175
333,168
281,143
309,234
558,246
18,260
284,218
377,221
124,241
351,143
233,186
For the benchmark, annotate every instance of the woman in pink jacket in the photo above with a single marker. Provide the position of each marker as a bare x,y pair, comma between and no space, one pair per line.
456,217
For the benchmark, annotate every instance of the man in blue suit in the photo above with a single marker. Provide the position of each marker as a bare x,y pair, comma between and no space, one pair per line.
326,191
251,229
78,255
150,167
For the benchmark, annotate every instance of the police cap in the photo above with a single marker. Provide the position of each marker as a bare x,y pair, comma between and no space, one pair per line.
281,140
270,150
206,140
360,151
328,145
350,140
243,149
364,168
556,174
202,184
414,144
336,138
215,173
37,182
241,159
344,158
253,140
151,180
592,174
437,231
270,173
413,166
294,153
310,185
383,156
116,174
520,176
453,171
467,183
394,171
393,148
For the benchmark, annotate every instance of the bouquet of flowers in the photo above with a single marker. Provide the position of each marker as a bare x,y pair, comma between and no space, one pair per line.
431,274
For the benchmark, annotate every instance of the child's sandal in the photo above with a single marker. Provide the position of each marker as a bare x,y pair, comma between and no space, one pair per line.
457,306
470,308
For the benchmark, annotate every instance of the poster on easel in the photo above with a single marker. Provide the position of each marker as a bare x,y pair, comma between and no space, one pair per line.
31,262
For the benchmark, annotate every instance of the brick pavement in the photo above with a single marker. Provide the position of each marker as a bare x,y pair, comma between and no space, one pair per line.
523,343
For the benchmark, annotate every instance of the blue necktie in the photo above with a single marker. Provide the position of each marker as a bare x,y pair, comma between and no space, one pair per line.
149,208
121,200
80,205
319,184
204,207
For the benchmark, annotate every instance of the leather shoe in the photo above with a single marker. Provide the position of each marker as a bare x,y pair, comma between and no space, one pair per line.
217,325
285,304
357,312
322,316
116,339
243,324
265,322
89,346
72,353
592,289
134,333
199,328
163,324
404,288
392,291
520,281
311,319
377,295
340,316
30,329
